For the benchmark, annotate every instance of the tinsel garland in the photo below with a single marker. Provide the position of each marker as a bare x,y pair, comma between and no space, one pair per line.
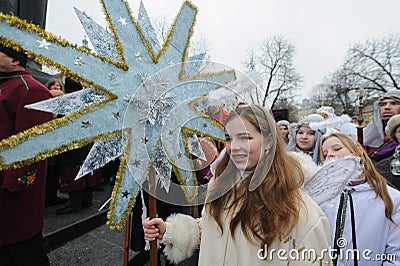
121,203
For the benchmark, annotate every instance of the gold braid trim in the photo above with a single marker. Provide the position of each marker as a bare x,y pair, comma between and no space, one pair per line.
114,195
61,149
32,28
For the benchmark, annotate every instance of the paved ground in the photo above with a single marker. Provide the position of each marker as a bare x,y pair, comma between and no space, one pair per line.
53,222
100,246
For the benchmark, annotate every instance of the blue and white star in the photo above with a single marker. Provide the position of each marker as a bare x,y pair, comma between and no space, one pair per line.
97,122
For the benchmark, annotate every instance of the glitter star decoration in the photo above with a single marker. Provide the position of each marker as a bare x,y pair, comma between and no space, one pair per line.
44,44
96,122
79,61
122,21
125,194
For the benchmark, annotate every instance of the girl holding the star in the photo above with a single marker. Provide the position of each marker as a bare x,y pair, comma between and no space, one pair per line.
254,205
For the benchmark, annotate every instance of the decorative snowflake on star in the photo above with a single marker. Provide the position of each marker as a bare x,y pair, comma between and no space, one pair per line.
113,77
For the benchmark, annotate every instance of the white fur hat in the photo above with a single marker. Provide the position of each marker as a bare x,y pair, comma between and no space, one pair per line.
392,125
283,123
326,111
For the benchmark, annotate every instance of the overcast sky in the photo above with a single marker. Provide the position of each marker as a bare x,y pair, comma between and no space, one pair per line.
321,30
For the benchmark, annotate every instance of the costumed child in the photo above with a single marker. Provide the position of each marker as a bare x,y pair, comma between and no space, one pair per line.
305,139
283,126
367,204
254,203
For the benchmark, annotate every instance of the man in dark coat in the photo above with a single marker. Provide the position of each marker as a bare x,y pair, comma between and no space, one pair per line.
22,195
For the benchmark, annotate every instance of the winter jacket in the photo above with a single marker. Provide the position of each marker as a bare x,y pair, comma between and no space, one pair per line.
311,236
21,190
376,236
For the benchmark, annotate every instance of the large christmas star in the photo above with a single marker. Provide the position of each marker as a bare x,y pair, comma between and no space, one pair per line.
112,81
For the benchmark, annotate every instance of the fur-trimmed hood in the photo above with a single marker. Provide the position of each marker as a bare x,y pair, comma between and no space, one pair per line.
307,163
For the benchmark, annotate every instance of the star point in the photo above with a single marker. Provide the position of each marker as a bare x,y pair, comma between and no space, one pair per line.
90,122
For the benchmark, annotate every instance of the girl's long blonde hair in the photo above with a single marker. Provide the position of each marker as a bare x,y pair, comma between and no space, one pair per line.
271,210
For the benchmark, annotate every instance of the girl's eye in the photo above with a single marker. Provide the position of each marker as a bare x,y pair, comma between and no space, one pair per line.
245,137
227,138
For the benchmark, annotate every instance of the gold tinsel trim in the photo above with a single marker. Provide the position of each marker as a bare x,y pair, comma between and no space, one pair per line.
144,40
156,57
114,195
118,44
191,32
180,179
53,124
32,28
61,149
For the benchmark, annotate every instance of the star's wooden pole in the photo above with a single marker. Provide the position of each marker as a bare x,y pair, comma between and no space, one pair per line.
153,213
360,118
125,249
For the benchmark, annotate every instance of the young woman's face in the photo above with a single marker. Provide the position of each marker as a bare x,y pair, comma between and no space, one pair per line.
305,138
333,147
244,143
55,86
284,130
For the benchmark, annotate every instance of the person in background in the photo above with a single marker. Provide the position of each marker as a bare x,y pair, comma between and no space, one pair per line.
378,145
55,87
254,203
392,170
304,139
80,192
218,112
367,204
283,126
53,169
326,112
354,120
22,190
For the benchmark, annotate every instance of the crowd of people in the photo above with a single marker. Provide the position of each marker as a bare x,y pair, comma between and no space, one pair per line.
369,202
255,202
